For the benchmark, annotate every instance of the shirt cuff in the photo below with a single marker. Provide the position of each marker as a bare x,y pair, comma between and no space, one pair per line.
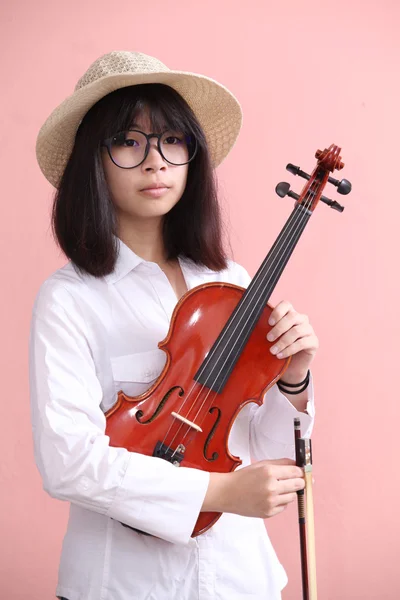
272,427
170,498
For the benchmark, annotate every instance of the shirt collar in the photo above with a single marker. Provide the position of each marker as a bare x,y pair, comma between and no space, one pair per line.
127,260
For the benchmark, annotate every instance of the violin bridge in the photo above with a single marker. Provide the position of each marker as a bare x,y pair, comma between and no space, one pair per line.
184,420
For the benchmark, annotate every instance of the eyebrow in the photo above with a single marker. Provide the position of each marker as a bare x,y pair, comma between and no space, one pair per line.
136,125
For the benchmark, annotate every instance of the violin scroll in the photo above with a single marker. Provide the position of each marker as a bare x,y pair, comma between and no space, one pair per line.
330,158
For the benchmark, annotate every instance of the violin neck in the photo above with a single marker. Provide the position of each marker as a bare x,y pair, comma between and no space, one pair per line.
268,275
226,350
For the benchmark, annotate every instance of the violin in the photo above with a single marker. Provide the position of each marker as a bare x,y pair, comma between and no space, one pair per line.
218,357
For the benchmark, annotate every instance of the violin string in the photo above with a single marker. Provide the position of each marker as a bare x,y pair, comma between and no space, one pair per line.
299,217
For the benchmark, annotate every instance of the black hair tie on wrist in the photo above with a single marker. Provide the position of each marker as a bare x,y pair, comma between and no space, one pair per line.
303,385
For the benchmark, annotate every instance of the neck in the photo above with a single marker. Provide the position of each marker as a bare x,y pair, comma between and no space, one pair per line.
145,239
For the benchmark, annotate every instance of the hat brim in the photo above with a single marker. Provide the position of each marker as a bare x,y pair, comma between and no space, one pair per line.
215,107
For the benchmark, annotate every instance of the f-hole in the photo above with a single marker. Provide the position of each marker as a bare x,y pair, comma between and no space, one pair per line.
159,408
214,455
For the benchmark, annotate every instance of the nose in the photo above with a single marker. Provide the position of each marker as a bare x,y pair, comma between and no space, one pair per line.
154,161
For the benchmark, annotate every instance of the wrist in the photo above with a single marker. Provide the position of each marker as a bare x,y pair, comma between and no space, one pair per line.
296,387
294,377
218,493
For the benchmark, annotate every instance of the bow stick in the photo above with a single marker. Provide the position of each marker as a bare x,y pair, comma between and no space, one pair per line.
306,516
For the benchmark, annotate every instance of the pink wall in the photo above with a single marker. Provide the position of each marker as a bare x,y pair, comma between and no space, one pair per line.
308,74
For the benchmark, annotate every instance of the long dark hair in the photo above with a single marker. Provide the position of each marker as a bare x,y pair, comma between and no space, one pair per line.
83,216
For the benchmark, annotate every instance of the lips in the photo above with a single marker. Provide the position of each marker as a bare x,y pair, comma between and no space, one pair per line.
155,192
155,186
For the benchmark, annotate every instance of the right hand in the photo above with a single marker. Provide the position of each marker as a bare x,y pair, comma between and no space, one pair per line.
261,490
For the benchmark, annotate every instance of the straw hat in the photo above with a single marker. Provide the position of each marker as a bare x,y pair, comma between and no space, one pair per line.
216,109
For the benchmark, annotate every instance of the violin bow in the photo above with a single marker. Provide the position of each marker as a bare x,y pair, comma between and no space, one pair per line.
306,516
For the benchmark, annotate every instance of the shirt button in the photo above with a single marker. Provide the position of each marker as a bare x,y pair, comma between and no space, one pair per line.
84,484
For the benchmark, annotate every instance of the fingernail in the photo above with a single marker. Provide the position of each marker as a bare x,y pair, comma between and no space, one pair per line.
274,349
271,321
280,355
270,337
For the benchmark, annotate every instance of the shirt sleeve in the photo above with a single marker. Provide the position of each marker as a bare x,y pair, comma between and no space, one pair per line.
272,424
71,449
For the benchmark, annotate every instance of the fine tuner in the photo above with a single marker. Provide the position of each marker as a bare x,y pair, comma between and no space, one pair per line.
343,187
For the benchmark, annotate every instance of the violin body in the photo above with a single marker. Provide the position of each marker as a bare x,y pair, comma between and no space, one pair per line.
142,422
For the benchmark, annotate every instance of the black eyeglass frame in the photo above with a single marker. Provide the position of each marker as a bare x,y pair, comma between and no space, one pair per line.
107,144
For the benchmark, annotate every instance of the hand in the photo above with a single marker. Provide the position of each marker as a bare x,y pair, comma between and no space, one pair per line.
261,490
294,337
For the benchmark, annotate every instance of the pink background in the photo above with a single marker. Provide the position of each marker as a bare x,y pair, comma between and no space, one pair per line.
308,74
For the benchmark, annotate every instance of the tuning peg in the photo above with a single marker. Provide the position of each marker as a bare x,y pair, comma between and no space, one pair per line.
297,171
283,189
343,187
333,204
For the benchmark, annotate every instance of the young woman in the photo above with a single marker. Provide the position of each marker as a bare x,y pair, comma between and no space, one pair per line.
132,154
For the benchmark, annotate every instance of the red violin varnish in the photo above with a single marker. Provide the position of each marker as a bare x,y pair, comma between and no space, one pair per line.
218,357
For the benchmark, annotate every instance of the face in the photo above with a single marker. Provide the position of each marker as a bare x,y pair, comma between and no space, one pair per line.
133,200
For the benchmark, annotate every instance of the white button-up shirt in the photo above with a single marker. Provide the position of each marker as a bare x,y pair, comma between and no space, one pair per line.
91,337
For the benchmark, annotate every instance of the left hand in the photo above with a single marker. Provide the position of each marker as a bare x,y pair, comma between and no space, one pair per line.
293,336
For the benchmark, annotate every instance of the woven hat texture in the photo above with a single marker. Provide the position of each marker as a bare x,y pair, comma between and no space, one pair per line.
215,107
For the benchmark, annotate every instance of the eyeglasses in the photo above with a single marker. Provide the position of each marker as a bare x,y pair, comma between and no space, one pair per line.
129,149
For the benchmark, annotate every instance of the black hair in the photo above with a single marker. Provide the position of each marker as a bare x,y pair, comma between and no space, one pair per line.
83,217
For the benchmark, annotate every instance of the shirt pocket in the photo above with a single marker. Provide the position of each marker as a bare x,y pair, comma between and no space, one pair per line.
135,373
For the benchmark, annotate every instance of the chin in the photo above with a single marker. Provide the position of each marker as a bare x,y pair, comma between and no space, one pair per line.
156,213
158,207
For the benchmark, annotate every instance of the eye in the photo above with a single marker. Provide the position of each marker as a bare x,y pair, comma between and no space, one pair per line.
130,142
173,139
128,139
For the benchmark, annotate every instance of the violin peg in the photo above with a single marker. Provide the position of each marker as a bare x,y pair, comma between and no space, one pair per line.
343,186
333,204
297,171
292,169
283,189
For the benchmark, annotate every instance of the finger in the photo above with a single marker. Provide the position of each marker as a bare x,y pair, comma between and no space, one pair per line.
306,343
285,499
290,486
279,311
279,461
275,511
295,333
282,472
287,322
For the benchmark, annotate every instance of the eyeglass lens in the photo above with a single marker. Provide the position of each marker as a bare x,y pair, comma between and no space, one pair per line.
128,148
